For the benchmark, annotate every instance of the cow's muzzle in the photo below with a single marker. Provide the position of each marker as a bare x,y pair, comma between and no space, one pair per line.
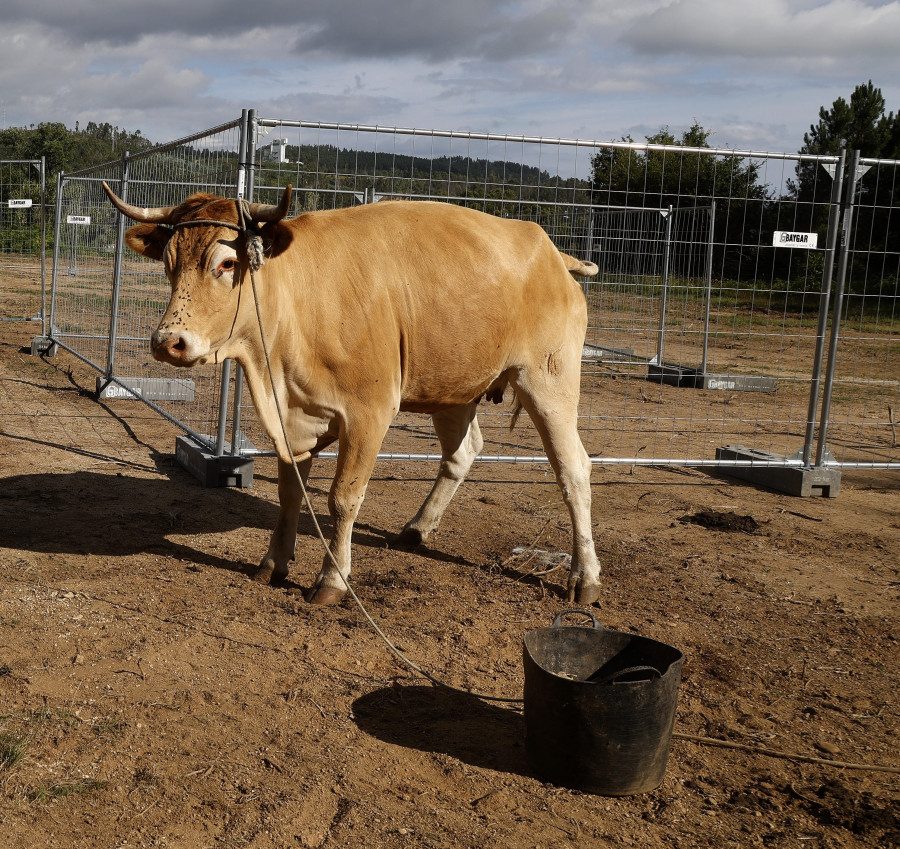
173,347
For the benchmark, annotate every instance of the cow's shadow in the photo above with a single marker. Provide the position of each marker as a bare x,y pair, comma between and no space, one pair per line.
114,515
437,719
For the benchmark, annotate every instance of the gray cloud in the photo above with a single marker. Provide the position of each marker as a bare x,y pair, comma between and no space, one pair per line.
782,30
438,31
491,31
113,22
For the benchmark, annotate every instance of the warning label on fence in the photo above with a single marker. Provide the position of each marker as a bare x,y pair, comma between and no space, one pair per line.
78,219
20,203
784,239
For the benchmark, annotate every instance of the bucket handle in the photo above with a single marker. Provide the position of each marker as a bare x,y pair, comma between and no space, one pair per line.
648,673
557,622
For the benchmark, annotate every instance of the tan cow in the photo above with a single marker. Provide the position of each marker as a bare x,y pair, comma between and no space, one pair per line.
399,305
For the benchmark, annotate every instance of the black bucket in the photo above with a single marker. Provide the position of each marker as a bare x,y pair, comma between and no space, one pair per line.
599,707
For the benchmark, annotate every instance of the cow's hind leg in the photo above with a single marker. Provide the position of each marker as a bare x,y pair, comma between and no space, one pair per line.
550,396
461,442
274,566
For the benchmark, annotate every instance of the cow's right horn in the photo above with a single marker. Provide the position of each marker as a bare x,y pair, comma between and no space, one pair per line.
157,215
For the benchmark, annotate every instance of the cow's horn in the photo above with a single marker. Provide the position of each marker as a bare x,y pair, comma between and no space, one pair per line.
268,212
159,215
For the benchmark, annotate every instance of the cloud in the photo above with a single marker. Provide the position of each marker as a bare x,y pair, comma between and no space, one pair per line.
113,22
776,29
496,29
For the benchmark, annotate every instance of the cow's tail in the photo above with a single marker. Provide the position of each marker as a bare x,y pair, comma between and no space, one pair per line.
579,267
516,412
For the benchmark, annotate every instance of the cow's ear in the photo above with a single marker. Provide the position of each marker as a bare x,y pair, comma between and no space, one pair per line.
276,238
148,240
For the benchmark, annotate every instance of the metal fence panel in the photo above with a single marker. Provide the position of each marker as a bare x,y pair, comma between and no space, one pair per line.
704,330
864,416
105,306
23,239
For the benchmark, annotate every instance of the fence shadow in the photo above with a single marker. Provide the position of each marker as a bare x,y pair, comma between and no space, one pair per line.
438,720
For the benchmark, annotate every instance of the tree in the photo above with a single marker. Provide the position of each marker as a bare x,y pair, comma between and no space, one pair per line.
861,124
69,150
667,175
662,177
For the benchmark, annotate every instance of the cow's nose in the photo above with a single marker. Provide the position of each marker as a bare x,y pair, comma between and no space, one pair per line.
168,346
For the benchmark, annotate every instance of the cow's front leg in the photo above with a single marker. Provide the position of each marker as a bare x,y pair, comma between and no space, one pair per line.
356,459
273,568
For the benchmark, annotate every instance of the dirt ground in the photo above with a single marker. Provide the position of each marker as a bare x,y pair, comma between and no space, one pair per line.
152,695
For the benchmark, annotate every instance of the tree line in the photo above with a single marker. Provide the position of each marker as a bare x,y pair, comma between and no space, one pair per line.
70,150
749,208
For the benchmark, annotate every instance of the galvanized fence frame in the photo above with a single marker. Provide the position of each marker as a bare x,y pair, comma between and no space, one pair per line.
105,302
23,240
707,346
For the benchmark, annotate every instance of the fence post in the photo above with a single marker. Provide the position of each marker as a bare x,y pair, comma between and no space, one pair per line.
834,216
589,252
850,180
244,190
665,286
226,365
709,265
223,409
43,245
45,343
247,165
60,180
117,276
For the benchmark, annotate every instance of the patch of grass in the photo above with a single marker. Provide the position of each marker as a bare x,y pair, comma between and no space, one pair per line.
12,749
61,789
44,716
109,727
145,778
38,716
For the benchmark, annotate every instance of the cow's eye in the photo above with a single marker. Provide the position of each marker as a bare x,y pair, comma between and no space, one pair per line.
227,266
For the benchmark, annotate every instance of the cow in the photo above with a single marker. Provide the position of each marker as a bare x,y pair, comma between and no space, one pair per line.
400,305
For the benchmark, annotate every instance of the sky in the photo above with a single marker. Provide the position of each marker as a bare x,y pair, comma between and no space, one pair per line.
755,74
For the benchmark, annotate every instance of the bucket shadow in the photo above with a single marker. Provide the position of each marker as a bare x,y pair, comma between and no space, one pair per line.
438,720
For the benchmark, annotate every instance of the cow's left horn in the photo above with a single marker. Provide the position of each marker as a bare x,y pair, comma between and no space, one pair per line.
268,212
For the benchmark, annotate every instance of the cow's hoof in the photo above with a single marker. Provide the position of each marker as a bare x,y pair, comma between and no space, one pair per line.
408,538
325,595
268,573
584,593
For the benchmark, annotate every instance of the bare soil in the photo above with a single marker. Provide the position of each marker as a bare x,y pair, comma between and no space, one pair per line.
152,695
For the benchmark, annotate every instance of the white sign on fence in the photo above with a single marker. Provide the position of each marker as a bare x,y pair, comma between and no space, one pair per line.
785,239
78,219
20,203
